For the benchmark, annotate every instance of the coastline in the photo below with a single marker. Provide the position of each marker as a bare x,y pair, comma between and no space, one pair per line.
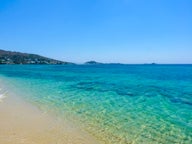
23,123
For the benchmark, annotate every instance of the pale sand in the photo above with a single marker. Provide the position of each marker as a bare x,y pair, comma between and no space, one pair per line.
23,123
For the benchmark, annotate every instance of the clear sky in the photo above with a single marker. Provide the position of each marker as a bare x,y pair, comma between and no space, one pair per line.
126,31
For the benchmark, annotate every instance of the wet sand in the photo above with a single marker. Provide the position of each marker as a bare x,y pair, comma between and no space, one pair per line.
23,123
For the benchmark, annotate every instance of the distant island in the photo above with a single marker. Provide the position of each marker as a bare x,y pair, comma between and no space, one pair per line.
150,63
92,63
9,57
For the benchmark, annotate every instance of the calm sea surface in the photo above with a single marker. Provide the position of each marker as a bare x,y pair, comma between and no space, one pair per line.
115,103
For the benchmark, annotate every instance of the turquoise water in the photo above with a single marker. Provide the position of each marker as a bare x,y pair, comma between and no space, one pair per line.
115,103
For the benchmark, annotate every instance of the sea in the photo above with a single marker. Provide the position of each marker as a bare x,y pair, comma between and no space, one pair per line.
115,103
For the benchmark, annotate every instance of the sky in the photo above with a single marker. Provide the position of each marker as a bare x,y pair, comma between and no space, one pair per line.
122,31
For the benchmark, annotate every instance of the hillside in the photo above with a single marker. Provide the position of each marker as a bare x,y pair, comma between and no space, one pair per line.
9,57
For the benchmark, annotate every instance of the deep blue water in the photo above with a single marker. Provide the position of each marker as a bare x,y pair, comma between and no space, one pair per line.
115,103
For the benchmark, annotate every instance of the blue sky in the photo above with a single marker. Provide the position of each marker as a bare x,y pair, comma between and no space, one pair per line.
126,31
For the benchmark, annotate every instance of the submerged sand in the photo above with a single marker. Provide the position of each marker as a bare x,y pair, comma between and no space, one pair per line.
22,123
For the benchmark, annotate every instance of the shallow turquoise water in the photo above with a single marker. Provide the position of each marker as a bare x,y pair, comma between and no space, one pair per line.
115,103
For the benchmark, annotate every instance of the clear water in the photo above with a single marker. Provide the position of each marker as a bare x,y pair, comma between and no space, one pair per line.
115,103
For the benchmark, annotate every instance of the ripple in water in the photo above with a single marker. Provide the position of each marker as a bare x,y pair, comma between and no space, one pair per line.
115,103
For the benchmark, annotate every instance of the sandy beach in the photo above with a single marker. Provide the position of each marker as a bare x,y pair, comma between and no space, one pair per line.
23,123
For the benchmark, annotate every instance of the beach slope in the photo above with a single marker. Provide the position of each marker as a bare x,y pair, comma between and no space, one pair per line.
22,123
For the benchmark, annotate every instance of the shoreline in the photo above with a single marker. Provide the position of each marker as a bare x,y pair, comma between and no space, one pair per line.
23,123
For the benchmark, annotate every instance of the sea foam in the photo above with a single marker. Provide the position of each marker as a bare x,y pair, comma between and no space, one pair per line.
2,94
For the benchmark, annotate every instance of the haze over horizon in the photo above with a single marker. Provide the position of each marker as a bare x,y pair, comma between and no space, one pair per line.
120,31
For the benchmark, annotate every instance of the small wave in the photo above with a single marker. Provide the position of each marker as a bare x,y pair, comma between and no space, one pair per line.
2,95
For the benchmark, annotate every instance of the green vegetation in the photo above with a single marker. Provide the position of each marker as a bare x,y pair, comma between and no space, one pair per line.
8,57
